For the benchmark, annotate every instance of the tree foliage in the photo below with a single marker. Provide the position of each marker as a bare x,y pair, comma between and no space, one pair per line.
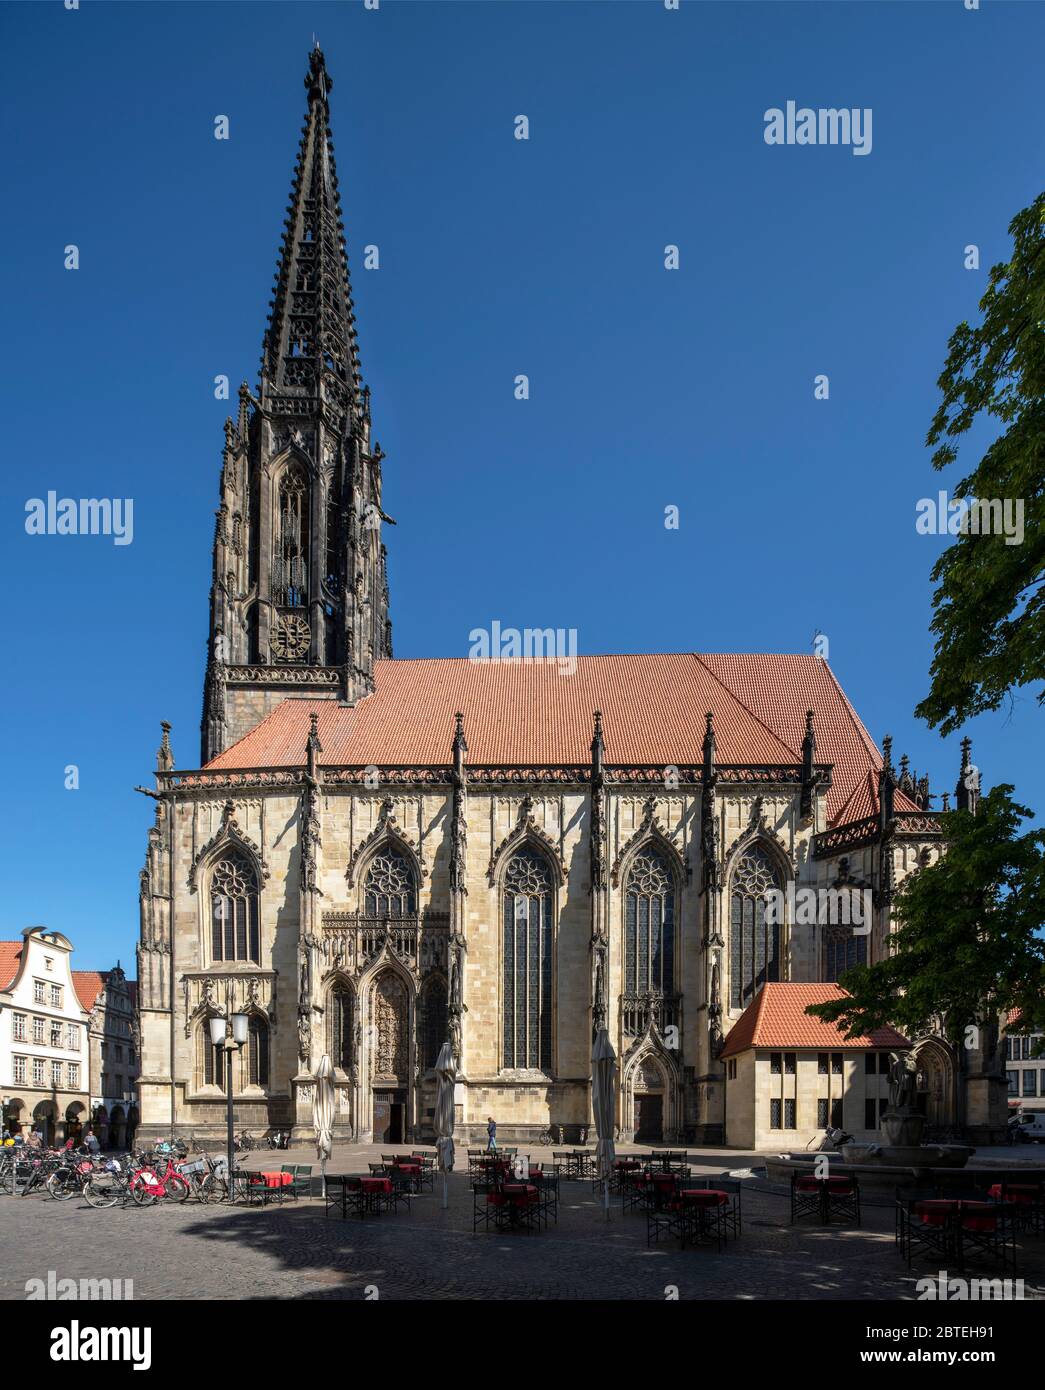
968,945
989,618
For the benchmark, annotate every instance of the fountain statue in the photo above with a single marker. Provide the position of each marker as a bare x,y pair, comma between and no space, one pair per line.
903,1122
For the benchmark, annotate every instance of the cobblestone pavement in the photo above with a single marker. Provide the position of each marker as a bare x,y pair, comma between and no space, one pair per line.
423,1252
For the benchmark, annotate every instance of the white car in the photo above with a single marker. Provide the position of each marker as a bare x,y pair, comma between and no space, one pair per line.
1029,1127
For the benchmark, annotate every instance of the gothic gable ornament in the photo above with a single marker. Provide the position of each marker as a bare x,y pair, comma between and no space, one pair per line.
650,831
526,830
228,833
759,829
386,829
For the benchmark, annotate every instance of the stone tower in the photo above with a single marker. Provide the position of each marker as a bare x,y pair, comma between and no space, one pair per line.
299,596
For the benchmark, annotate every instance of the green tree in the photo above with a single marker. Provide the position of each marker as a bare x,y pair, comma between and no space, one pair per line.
968,946
989,602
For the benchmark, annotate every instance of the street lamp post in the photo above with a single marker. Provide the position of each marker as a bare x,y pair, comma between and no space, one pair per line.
229,1034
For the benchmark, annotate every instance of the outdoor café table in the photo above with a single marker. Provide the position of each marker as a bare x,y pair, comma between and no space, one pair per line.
267,1185
943,1212
585,1163
519,1196
1016,1191
696,1203
660,1188
1027,1199
824,1187
374,1190
623,1168
411,1172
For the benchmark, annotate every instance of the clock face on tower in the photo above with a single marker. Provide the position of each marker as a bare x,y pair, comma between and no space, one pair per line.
290,638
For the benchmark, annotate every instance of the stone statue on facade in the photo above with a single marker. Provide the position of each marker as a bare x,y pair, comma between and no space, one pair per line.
305,1039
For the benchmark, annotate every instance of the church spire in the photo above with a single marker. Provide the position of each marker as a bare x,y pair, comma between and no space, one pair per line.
310,347
299,597
967,790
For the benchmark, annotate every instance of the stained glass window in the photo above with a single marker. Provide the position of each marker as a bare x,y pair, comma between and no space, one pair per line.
649,925
258,1052
527,962
754,948
433,1022
341,1027
842,950
234,909
389,887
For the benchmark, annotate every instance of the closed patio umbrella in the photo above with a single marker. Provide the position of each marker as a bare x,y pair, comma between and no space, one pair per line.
603,1104
323,1114
444,1113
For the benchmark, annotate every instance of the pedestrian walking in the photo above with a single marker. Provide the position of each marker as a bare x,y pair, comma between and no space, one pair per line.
491,1134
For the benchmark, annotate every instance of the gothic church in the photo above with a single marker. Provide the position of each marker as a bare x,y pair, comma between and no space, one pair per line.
376,855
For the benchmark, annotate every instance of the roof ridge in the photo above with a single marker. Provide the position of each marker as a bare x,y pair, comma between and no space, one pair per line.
718,681
868,741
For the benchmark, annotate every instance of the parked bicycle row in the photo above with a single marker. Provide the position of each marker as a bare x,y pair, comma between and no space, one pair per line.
144,1178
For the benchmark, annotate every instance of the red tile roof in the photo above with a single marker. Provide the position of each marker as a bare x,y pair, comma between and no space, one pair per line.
779,689
88,985
777,1017
519,713
10,954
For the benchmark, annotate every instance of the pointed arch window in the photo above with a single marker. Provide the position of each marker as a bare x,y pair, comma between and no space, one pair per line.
754,946
433,1022
389,889
342,1027
842,950
290,563
234,909
257,1052
846,919
527,1015
213,1058
649,925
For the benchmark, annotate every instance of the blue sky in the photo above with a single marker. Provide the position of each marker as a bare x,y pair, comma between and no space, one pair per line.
649,388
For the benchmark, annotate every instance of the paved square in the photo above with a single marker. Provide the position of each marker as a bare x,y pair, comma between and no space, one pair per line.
423,1252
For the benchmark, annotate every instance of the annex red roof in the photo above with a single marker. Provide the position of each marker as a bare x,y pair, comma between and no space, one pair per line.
777,1017
527,713
10,954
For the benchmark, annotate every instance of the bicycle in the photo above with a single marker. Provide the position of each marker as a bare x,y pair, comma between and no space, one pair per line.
150,1183
202,1176
109,1184
68,1180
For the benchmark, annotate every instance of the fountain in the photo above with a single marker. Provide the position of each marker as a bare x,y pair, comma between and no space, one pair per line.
904,1125
903,1161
